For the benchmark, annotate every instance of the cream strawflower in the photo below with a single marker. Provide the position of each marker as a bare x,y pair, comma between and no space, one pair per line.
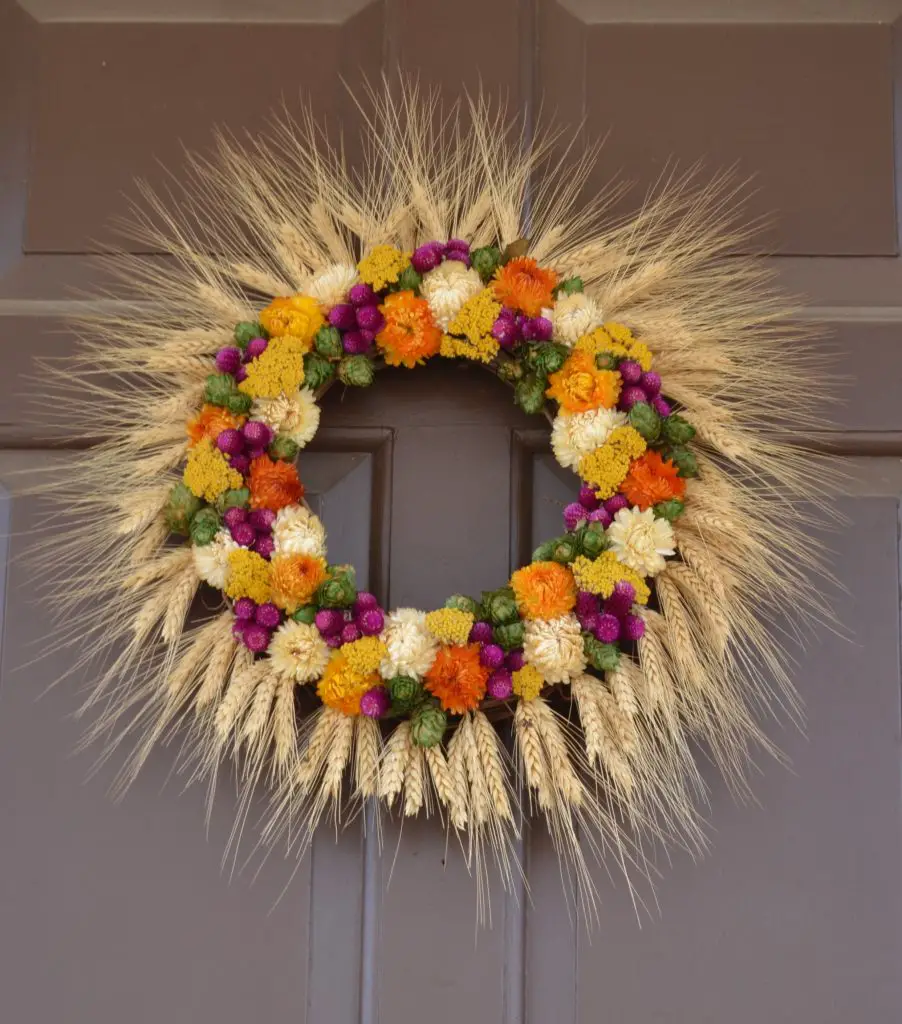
330,286
296,416
212,560
411,647
640,540
555,648
447,288
297,531
575,434
297,651
573,316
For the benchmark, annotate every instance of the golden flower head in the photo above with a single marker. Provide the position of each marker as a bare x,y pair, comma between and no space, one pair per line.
207,473
341,687
554,647
527,682
294,580
607,467
544,590
279,370
450,625
248,576
365,655
579,385
297,315
297,651
383,266
599,576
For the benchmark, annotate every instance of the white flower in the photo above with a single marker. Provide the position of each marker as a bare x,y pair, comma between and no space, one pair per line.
212,560
331,285
575,434
411,648
296,416
297,531
298,652
447,288
573,316
640,540
555,647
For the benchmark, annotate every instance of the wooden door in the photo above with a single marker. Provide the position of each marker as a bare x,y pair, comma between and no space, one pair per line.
432,483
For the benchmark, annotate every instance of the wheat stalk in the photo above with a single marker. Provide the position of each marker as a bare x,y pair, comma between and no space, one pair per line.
241,689
180,598
261,705
489,747
529,745
394,763
337,756
450,794
366,756
222,654
318,743
560,768
285,731
414,779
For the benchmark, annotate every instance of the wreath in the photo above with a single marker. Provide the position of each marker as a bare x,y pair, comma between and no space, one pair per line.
669,375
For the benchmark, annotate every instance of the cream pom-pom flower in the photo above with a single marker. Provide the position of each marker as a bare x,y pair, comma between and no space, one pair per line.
330,286
297,531
212,560
447,288
575,434
411,647
555,647
640,540
296,416
297,651
573,316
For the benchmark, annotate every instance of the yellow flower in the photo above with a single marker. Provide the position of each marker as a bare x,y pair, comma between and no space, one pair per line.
342,687
527,682
484,349
607,467
277,371
248,576
476,317
207,473
641,353
365,655
618,341
450,626
383,266
297,315
599,341
619,332
599,576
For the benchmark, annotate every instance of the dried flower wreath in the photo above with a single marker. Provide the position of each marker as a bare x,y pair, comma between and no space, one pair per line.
662,361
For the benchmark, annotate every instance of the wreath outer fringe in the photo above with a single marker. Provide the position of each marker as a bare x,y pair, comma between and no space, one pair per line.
669,373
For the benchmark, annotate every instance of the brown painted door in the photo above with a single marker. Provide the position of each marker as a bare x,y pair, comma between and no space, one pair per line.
433,482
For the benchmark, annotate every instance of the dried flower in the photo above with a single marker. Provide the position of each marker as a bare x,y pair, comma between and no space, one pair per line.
297,531
457,678
411,647
641,541
555,648
341,687
523,285
450,625
297,315
279,370
295,416
575,434
366,654
298,652
579,386
248,576
210,423
212,560
447,288
410,335
572,316
207,473
330,286
607,467
294,580
651,480
470,332
527,682
383,266
273,484
544,590
602,574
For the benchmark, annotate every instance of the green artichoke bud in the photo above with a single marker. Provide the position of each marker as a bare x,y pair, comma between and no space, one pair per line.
500,606
219,388
246,330
683,459
669,510
550,357
284,448
427,725
602,657
356,371
485,261
305,614
677,430
570,285
645,420
328,342
510,370
529,394
509,636
238,403
204,526
462,603
408,280
545,551
236,497
406,694
317,370
181,505
593,540
565,549
606,361
339,590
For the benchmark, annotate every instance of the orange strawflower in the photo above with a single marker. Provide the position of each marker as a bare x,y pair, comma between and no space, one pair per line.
579,386
544,590
458,678
294,579
209,422
273,484
522,284
410,334
652,479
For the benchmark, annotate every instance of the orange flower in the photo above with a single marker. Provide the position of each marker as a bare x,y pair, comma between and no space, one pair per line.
652,479
293,580
524,285
209,422
544,590
297,315
273,484
578,386
458,678
410,334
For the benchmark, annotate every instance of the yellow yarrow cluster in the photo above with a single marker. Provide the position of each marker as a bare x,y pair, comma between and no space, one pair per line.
599,341
527,682
470,332
248,576
606,468
207,473
342,686
297,315
599,576
383,266
450,626
366,654
618,340
277,371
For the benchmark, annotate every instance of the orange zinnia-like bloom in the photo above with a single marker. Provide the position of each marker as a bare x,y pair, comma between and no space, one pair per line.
410,334
522,284
458,678
651,480
579,386
544,590
294,579
273,484
210,422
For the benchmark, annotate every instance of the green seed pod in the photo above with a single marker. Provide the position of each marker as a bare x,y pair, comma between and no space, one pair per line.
328,342
529,394
204,526
408,281
509,636
305,614
593,540
510,370
551,357
606,361
602,657
565,549
683,459
317,370
669,510
645,420
485,261
236,497
545,551
219,388
570,286
500,606
284,448
246,330
406,694
181,505
356,371
462,603
238,403
677,430
339,590
427,725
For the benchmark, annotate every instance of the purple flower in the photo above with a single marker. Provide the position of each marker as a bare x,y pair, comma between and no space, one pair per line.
651,382
240,463
615,504
262,518
633,627
370,319
243,534
264,545
371,622
630,371
630,396
230,442
460,255
537,328
361,295
661,407
355,343
256,638
600,515
500,685
255,347
244,609
234,516
375,703
574,514
588,622
607,628
333,640
491,655
343,316
329,621
349,633
481,633
506,331
588,498
621,600
515,660
586,603
364,602
267,615
427,257
228,359
460,244
241,374
257,434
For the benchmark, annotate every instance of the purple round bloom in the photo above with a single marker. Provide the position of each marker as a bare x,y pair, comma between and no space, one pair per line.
244,609
243,534
257,434
349,633
255,453
500,685
588,498
333,640
574,514
329,621
600,515
630,396
586,603
267,615
364,602
371,622
241,374
343,316
457,243
240,463
459,255
230,442
651,382
615,504
427,257
589,622
491,655
621,600
374,703
233,516
355,343
228,359
661,407
538,328
255,347
607,628
256,638
515,660
505,331
262,518
630,371
481,633
633,627
264,545
370,319
361,295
